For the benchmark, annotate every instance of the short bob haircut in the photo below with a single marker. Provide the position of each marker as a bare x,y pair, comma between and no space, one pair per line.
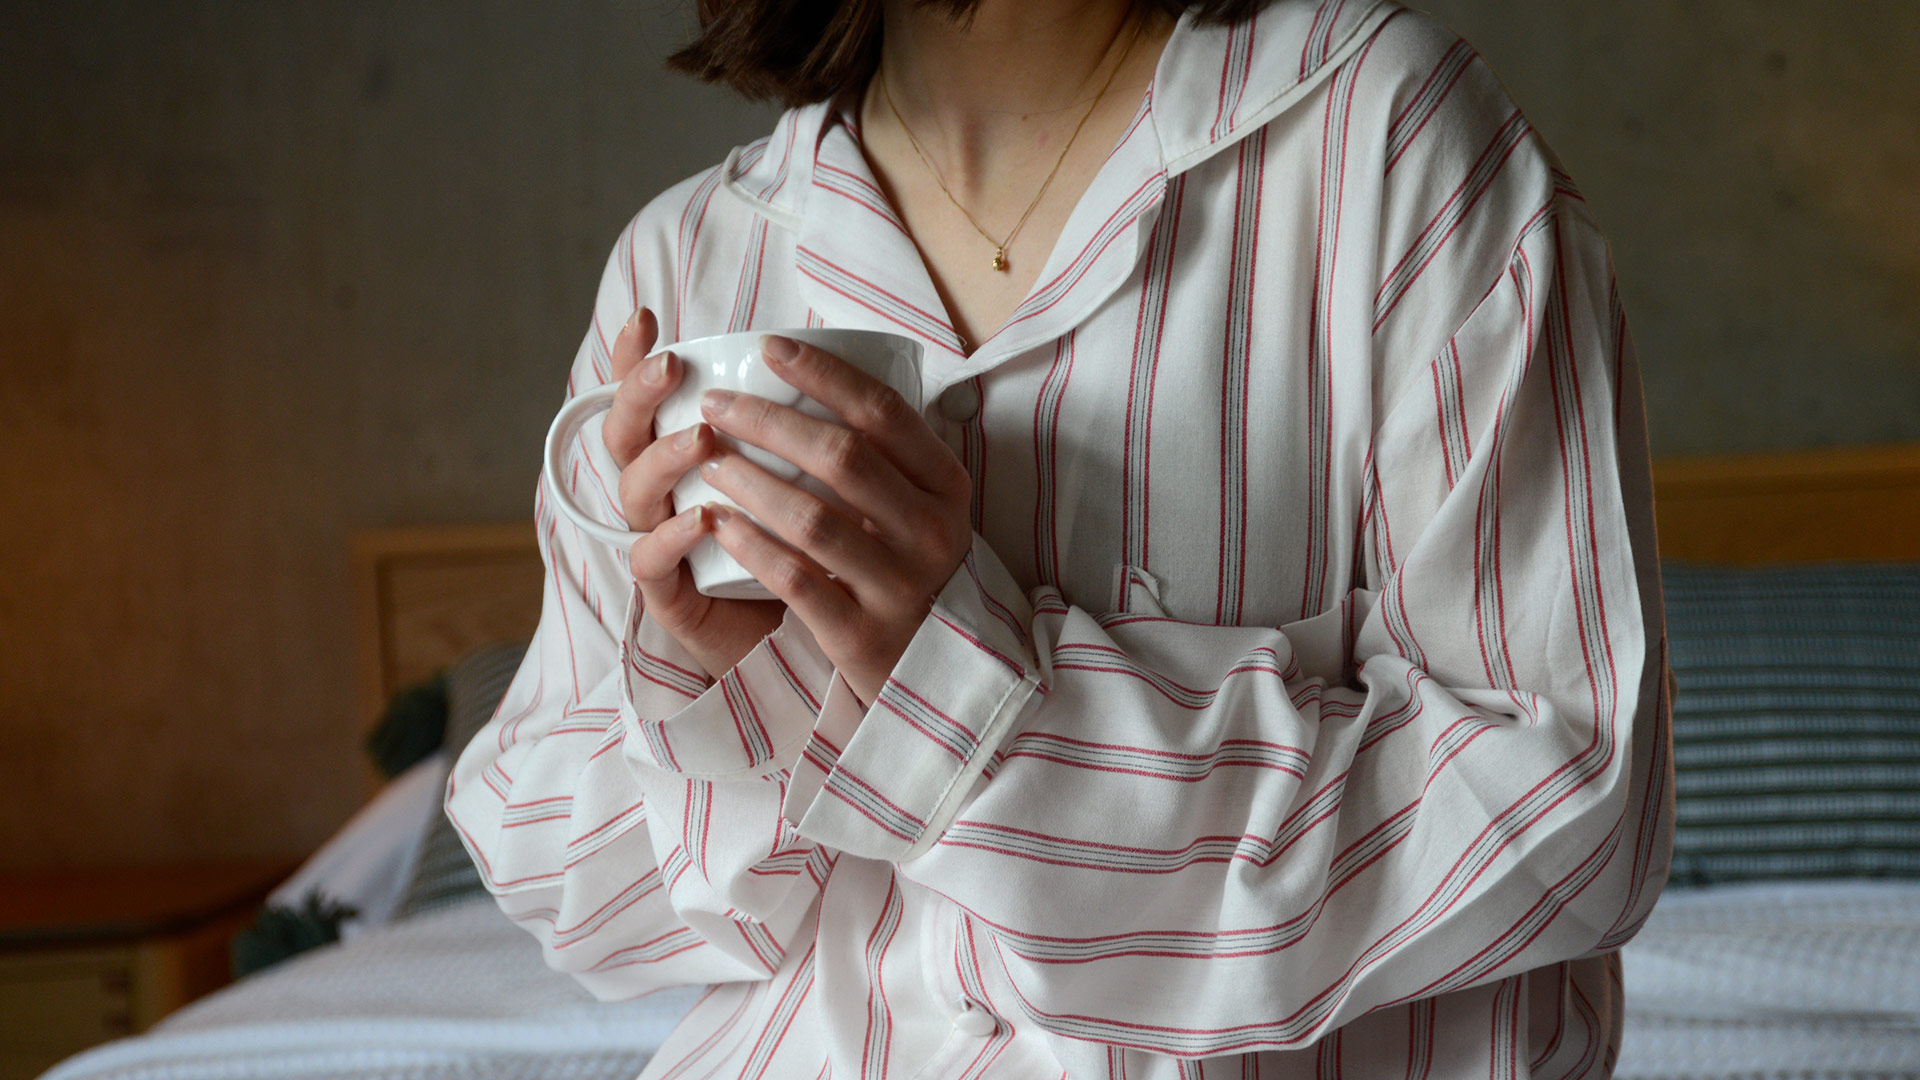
798,52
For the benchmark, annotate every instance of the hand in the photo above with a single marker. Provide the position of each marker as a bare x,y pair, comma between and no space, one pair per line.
716,632
908,492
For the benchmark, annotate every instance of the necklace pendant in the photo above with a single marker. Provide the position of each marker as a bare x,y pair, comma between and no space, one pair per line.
999,258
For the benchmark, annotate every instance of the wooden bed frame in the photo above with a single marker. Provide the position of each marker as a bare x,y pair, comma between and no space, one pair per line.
426,595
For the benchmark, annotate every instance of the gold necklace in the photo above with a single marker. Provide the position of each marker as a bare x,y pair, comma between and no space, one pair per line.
1000,246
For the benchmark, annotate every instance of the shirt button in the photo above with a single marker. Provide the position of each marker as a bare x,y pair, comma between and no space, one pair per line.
976,1021
960,403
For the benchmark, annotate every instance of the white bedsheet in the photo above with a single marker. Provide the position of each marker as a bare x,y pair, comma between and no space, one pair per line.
1766,980
459,994
1759,982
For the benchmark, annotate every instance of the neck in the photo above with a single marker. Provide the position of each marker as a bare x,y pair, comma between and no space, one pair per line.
1009,84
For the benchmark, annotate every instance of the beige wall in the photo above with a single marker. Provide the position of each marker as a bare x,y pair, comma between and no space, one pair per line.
1756,164
270,271
273,271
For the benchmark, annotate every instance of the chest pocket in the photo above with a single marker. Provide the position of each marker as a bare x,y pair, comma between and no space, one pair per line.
1136,592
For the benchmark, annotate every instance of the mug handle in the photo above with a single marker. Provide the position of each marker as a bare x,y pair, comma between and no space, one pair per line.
566,427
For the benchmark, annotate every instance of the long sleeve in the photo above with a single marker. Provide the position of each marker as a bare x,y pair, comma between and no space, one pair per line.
623,805
1195,839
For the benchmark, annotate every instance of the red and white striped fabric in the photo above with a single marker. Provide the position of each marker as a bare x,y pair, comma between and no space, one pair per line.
1300,709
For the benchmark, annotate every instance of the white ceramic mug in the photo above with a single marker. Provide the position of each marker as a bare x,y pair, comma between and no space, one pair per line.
729,362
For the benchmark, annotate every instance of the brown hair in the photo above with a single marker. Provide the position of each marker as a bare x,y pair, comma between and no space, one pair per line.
798,52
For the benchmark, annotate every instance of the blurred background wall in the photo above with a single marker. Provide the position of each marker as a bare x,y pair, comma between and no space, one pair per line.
272,271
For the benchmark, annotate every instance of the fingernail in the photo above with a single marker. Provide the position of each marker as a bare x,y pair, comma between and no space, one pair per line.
657,368
696,518
709,467
721,515
686,439
779,349
716,401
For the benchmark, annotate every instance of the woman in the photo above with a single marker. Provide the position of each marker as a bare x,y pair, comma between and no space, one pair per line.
1251,663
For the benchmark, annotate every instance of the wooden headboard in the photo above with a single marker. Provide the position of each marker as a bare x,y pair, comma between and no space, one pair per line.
427,595
1846,504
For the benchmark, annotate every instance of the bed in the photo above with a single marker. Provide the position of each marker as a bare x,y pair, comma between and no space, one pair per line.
1757,963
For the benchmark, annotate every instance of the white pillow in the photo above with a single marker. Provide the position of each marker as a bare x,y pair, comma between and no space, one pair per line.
367,864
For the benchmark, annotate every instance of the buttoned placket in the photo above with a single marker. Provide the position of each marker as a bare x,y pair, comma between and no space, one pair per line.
940,954
970,1022
858,267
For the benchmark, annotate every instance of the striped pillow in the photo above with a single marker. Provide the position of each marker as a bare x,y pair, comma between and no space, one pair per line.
1796,732
444,873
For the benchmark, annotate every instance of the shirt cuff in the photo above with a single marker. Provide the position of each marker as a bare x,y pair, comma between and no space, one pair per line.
885,782
751,721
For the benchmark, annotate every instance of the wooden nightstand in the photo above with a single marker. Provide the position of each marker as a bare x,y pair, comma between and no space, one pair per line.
90,955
